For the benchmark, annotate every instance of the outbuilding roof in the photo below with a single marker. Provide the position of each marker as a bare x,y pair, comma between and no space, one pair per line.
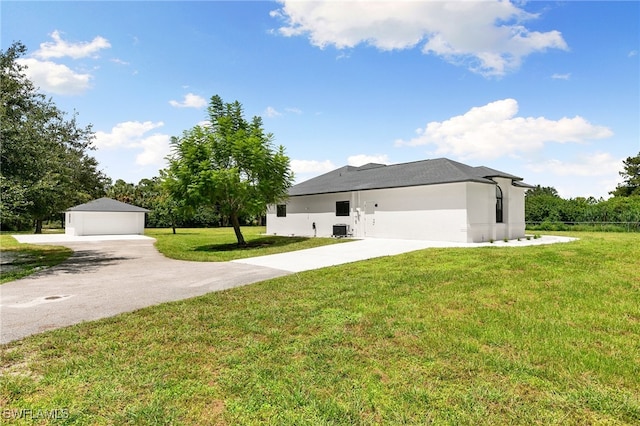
106,205
417,173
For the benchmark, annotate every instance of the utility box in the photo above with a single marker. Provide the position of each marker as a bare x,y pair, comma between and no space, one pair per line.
341,230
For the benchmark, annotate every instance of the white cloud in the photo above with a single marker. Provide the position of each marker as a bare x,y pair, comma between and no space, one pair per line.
133,135
566,76
486,36
55,78
596,164
126,135
154,150
362,159
58,78
312,166
632,53
60,48
190,101
271,112
119,61
493,130
588,174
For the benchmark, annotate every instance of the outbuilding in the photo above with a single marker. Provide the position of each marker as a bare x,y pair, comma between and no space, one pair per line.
105,216
437,200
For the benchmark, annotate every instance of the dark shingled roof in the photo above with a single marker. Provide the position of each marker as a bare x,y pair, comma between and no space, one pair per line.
106,205
379,176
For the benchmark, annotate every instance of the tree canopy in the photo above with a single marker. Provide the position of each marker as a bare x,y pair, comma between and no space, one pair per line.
229,164
45,165
631,176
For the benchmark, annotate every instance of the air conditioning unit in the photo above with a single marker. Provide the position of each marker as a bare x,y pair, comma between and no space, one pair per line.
341,230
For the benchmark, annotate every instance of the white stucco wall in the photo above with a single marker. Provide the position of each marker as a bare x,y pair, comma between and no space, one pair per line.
481,215
104,223
431,212
461,212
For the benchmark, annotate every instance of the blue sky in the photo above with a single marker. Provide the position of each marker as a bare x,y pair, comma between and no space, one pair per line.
549,91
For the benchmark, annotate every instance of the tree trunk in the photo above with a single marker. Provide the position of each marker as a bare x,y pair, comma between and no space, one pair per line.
38,226
236,228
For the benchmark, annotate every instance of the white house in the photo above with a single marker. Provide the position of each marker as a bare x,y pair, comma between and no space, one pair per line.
104,216
438,200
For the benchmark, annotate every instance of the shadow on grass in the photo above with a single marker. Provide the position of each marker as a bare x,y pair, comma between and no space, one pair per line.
258,243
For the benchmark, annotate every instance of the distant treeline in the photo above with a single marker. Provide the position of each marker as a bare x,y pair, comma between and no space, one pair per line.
164,211
545,209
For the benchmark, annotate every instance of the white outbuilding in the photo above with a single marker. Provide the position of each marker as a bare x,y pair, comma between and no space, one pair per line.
437,200
104,216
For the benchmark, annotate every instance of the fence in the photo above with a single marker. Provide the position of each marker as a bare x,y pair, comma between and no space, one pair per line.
584,226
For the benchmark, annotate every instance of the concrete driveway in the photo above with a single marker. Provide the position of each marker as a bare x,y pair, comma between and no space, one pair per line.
107,276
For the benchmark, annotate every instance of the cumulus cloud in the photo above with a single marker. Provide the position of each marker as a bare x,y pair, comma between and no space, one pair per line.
190,101
155,148
362,159
487,36
566,76
493,130
595,164
127,134
312,166
55,78
594,174
60,48
133,135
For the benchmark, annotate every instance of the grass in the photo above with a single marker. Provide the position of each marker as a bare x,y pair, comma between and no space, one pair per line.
531,335
220,244
21,260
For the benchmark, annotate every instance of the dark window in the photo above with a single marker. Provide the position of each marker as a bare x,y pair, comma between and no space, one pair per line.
498,204
281,210
342,208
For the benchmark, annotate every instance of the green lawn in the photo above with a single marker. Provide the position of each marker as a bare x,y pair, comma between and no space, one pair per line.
220,244
20,260
533,335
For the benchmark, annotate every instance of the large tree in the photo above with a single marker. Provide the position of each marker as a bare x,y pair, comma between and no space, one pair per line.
45,165
229,164
542,203
631,175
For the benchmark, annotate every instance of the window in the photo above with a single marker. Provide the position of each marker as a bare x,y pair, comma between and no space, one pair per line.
498,204
281,210
342,208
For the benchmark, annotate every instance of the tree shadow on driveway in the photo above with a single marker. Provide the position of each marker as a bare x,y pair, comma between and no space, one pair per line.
84,261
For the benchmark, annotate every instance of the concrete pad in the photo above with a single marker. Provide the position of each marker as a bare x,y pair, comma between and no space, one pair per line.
64,238
338,254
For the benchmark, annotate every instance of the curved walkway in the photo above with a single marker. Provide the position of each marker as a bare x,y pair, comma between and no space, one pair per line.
107,276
